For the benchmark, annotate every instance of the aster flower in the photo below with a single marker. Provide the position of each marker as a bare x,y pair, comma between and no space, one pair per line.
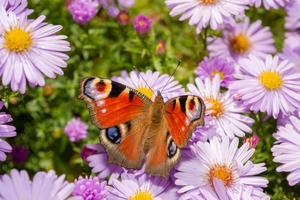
142,24
270,3
292,55
252,141
86,152
149,83
83,11
239,40
46,186
90,188
271,86
126,3
291,40
6,131
30,49
223,113
286,150
76,130
141,187
282,120
205,13
19,7
209,67
99,163
219,169
292,19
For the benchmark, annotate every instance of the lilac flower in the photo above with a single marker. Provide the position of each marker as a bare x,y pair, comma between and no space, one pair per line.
142,24
270,3
86,152
286,150
222,113
126,3
292,40
19,154
156,81
272,86
30,49
292,55
252,141
6,131
239,40
19,7
206,13
83,11
90,188
76,130
209,67
99,163
219,169
141,187
292,19
46,186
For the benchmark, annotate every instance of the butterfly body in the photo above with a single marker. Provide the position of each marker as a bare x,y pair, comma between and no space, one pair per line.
136,130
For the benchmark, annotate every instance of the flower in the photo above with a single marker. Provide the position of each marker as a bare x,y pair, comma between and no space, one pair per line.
141,187
6,130
160,48
123,17
292,19
142,24
292,55
46,186
291,40
286,150
242,39
209,67
270,3
19,154
19,7
252,141
86,152
268,85
83,11
222,112
99,163
149,83
29,50
76,130
90,188
219,169
203,13
126,3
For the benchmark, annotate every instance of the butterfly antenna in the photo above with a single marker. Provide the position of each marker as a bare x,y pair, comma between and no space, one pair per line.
143,79
179,62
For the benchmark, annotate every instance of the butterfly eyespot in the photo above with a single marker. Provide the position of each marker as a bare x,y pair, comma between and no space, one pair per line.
172,149
100,86
113,134
192,105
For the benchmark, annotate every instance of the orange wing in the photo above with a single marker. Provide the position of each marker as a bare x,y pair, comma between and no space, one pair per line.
112,103
183,114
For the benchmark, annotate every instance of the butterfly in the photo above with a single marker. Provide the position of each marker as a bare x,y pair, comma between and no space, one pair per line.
136,130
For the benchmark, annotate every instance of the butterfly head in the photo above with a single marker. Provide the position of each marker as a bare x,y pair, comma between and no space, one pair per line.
159,98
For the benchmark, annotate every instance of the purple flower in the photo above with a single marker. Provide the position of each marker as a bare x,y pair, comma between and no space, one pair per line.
206,13
286,150
270,3
220,169
6,131
29,50
46,186
142,24
19,7
90,188
292,40
19,154
86,152
242,39
100,165
292,55
76,130
209,67
141,187
292,19
83,11
272,86
252,141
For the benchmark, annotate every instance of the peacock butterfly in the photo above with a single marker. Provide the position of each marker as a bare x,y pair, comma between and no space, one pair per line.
136,130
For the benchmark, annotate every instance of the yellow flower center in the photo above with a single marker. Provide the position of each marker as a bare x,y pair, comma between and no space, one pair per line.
221,172
216,108
270,80
240,43
146,91
142,195
208,2
221,74
17,40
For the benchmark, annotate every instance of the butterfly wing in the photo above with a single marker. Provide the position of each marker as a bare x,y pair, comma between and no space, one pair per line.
120,111
183,114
